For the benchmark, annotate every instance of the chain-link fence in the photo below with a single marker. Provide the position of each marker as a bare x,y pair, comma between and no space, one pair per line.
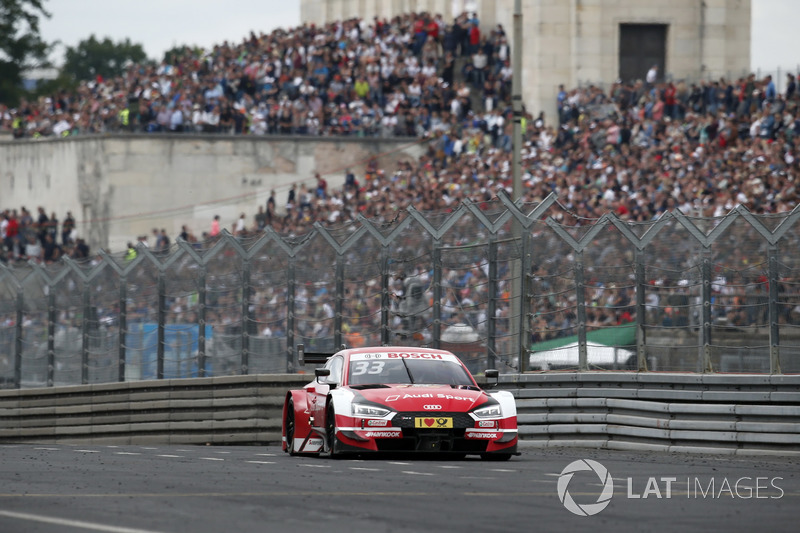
510,286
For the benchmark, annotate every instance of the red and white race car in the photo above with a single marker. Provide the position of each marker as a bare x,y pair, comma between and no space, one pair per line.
398,399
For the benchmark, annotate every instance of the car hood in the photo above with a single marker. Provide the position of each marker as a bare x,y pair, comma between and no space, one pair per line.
425,397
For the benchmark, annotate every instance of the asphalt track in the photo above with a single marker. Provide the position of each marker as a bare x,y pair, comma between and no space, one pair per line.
204,489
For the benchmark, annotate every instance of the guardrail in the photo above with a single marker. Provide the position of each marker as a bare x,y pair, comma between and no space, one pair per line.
729,414
224,410
711,413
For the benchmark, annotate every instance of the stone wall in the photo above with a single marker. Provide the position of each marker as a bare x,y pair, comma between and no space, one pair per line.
122,186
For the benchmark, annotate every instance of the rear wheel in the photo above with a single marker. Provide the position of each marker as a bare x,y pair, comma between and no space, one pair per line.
330,430
289,424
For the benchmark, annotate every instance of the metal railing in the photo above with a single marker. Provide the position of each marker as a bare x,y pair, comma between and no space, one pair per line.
673,294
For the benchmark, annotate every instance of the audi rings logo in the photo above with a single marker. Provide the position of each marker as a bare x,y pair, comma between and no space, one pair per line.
432,407
588,509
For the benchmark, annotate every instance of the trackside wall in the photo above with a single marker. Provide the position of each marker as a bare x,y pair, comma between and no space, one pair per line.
728,414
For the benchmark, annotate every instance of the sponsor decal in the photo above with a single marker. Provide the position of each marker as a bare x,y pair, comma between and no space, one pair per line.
401,355
433,422
377,423
429,395
366,356
384,434
432,407
486,423
481,435
452,397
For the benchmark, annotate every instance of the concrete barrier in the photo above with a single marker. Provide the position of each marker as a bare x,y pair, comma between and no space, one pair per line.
623,411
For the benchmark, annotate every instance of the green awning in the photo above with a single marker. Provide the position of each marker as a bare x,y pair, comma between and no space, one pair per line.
613,336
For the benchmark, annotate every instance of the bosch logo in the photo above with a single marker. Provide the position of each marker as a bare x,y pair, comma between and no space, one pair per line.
432,407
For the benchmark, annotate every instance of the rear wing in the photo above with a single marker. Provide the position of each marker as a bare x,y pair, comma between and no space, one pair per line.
313,358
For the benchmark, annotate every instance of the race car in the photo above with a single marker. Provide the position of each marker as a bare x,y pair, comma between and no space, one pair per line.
397,399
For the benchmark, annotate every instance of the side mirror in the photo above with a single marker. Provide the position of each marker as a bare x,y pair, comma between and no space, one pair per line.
492,373
322,372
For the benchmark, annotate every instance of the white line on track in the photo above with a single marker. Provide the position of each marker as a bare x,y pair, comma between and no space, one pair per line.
417,473
86,451
127,453
168,455
396,463
148,448
317,466
450,466
73,523
501,470
261,462
266,454
222,452
556,475
365,468
212,458
50,449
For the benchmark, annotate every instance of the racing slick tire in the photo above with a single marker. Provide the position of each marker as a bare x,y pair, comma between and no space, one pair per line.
330,431
289,424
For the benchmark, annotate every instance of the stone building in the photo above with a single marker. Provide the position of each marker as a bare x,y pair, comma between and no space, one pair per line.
576,42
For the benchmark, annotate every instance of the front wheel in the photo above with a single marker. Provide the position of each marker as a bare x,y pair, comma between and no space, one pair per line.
330,430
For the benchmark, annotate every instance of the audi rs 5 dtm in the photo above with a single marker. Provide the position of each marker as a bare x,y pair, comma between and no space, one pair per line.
398,399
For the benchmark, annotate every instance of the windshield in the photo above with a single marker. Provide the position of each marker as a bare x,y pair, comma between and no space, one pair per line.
408,371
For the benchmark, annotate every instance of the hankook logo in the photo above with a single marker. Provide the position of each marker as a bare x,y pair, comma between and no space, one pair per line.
432,407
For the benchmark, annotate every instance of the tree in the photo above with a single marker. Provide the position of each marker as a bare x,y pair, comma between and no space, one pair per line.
21,46
92,58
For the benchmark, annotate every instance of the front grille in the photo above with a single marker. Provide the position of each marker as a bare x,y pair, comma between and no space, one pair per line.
406,419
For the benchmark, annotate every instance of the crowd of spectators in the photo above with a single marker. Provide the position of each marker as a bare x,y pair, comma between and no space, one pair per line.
638,148
388,77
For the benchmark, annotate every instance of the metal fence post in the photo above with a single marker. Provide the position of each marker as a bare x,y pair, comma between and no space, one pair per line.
525,300
18,338
87,312
51,336
123,327
338,304
201,323
641,310
774,331
246,318
162,318
580,303
385,299
290,309
437,293
705,326
491,305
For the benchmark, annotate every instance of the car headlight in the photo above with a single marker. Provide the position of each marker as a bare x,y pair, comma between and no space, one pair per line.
369,411
492,411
